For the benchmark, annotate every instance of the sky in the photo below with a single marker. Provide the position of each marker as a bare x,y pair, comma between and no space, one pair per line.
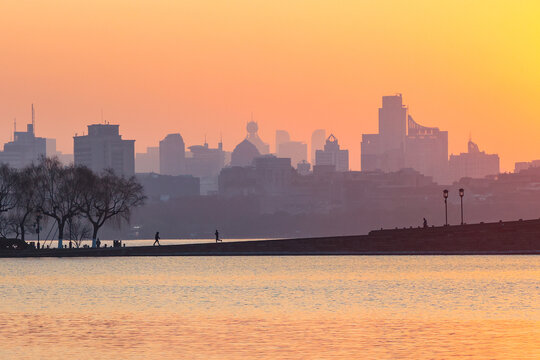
202,68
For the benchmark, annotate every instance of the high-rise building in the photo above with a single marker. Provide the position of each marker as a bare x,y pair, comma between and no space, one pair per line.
402,142
318,138
426,151
282,136
25,147
103,148
205,163
473,164
253,136
333,155
385,150
147,162
295,150
172,155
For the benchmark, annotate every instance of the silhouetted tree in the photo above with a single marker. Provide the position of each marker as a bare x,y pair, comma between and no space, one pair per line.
78,230
60,191
109,197
26,199
7,180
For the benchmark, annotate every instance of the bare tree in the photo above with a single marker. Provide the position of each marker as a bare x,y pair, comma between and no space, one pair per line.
109,197
60,191
78,230
25,196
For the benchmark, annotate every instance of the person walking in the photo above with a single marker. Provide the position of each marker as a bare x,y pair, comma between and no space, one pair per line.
425,223
157,239
217,236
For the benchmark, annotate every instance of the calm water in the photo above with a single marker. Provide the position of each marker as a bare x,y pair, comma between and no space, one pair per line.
271,308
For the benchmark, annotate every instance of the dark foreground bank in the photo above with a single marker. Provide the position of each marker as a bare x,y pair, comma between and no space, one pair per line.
516,237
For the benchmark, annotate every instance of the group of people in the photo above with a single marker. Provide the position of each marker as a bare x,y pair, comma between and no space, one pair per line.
157,237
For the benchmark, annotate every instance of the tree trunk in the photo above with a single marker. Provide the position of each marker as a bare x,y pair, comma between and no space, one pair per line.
60,234
94,235
22,231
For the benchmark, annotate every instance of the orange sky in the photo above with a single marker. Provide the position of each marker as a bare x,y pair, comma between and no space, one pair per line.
202,67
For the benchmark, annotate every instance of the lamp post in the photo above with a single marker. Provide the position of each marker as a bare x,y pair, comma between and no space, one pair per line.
461,194
445,195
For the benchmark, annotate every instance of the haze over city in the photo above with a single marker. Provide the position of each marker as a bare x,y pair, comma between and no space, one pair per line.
258,179
202,69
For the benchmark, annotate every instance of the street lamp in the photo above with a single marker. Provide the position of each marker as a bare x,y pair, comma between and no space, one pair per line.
445,195
461,194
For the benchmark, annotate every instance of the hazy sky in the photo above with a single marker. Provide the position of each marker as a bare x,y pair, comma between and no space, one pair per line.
202,67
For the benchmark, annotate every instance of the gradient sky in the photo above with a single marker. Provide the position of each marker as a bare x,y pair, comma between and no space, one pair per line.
202,67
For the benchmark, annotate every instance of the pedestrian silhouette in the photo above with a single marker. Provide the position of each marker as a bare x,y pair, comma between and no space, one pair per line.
98,242
425,223
217,236
157,239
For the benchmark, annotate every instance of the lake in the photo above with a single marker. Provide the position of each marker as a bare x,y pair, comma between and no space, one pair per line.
306,307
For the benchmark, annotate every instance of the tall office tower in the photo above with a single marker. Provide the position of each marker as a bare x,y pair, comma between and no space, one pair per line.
318,138
426,151
172,155
473,164
103,148
253,137
25,147
385,150
333,155
147,162
282,136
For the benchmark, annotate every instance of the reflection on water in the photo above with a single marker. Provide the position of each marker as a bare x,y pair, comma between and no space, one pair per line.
271,307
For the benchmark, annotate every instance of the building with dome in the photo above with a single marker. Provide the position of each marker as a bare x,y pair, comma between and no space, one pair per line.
253,137
244,153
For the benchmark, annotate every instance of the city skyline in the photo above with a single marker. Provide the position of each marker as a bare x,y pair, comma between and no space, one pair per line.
299,67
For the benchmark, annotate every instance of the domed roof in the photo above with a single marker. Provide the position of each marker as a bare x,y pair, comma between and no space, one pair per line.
252,127
244,153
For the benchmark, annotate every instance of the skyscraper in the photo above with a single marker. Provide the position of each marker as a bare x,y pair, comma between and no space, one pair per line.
103,148
294,150
172,155
318,138
147,162
25,147
333,155
282,136
402,142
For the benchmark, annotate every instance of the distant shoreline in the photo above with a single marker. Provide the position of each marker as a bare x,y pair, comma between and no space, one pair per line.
502,238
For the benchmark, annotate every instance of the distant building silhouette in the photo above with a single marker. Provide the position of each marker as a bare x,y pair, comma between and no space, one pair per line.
65,159
172,155
303,168
103,148
385,150
426,150
525,165
205,163
282,136
473,164
318,139
148,162
333,155
295,150
244,153
25,147
167,187
403,143
253,136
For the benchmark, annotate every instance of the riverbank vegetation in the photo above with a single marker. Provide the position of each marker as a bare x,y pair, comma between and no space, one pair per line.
76,199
